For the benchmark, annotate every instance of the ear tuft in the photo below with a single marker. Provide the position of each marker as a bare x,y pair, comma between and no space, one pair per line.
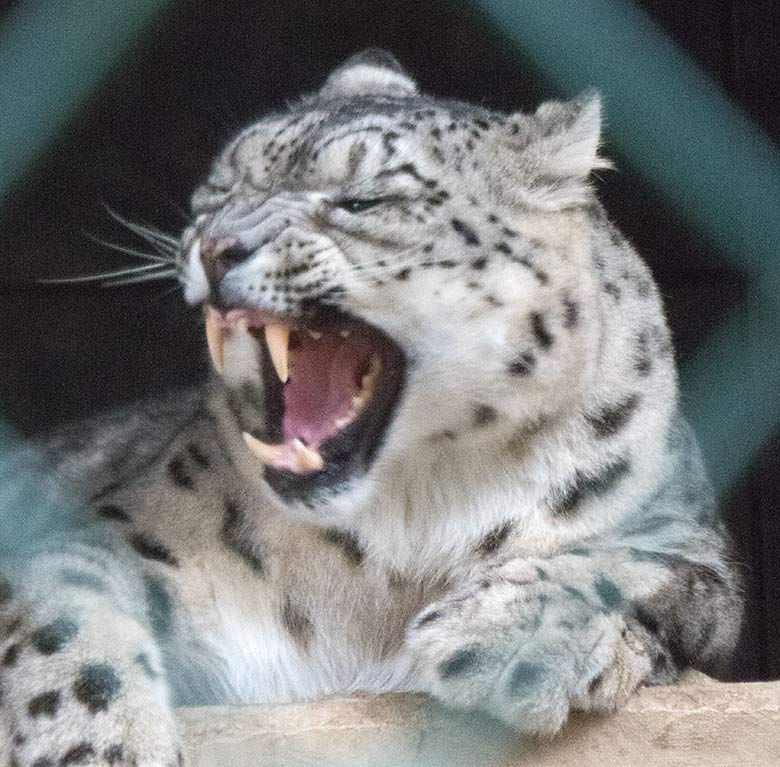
373,72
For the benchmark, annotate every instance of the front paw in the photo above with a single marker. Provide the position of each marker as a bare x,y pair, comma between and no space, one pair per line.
527,646
70,699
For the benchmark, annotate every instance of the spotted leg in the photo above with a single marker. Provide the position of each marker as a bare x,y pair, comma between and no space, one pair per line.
531,640
81,676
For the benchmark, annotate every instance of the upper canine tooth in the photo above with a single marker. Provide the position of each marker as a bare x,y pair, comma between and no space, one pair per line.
215,338
277,337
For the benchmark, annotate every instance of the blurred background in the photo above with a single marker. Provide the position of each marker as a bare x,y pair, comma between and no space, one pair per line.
127,106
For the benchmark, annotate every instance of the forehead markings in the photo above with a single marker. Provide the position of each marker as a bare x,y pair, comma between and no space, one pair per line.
320,147
410,169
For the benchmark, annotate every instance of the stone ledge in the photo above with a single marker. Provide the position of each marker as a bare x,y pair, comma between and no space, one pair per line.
704,724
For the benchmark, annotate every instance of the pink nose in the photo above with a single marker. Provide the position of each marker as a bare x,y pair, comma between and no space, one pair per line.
219,257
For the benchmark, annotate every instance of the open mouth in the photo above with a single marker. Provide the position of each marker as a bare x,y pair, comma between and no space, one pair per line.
331,386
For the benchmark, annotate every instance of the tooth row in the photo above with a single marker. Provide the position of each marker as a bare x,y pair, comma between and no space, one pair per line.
277,338
366,390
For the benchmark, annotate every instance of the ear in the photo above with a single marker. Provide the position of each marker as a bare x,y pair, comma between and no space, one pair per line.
558,148
571,133
373,72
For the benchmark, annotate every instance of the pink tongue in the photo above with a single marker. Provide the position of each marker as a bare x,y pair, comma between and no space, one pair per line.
320,390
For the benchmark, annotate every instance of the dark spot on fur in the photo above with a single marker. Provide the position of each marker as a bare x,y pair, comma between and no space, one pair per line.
159,607
610,420
297,623
114,754
484,415
83,580
347,542
198,456
524,678
178,473
494,539
43,761
613,290
465,231
479,263
403,274
571,313
595,684
142,660
77,755
11,654
54,636
643,362
460,663
45,704
579,552
609,592
96,686
445,434
490,299
429,617
234,537
587,487
148,548
523,365
539,328
110,511
502,247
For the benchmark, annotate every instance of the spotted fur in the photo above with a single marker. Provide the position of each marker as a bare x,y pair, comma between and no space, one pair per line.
536,533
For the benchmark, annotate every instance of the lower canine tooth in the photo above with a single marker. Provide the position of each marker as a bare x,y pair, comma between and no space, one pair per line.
265,452
215,338
309,460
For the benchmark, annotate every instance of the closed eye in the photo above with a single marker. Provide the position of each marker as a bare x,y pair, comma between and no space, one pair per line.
358,205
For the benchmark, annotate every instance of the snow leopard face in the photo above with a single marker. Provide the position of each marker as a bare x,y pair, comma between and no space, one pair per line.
387,276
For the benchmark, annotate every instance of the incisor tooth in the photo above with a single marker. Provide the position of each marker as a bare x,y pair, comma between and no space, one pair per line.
266,453
215,338
277,337
346,333
309,459
315,334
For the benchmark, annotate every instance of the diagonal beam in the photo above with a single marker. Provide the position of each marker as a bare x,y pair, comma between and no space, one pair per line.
676,128
53,55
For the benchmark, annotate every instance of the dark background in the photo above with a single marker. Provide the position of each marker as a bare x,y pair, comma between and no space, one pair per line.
208,68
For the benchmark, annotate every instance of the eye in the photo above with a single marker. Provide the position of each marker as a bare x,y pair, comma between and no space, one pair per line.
356,205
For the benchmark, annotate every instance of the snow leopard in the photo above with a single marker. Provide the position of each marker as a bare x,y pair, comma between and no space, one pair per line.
440,449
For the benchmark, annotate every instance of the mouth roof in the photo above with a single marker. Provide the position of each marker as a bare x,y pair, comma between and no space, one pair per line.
337,383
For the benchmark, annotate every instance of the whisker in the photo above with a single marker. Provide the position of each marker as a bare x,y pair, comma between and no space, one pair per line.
148,233
117,273
115,246
115,283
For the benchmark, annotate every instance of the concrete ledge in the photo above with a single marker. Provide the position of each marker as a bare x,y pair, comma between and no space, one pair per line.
703,724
